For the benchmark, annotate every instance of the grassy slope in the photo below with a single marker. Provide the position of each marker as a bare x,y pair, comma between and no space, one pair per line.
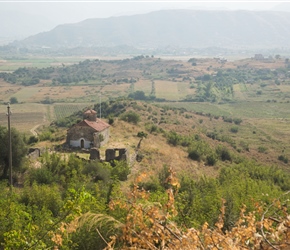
158,152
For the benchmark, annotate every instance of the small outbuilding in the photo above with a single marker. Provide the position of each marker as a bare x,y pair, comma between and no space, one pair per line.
89,133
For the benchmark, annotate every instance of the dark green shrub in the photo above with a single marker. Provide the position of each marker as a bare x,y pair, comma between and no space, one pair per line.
173,138
131,117
198,150
227,119
194,154
223,153
13,100
234,129
111,120
211,159
40,176
32,139
237,121
283,158
141,134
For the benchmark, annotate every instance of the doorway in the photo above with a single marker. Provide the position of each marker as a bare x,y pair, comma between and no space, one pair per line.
82,143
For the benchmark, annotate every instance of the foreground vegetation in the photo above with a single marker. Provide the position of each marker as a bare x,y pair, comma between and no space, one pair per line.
68,199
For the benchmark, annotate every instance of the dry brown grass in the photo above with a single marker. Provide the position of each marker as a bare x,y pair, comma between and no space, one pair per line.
156,151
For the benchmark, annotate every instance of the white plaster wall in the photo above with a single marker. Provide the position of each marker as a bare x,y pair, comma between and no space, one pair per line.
77,143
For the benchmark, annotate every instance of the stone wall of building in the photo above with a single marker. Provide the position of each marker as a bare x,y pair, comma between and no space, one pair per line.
79,136
77,132
117,154
105,134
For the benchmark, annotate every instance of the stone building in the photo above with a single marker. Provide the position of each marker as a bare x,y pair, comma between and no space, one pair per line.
90,132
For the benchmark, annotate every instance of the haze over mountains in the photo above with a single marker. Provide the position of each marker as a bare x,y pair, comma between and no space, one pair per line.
179,28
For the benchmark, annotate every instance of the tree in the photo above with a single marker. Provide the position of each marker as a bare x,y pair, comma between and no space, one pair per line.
13,100
138,95
19,150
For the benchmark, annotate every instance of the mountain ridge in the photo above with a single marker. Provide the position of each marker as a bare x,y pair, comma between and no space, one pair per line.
180,28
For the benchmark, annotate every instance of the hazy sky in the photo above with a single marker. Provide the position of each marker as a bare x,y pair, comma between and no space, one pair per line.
74,11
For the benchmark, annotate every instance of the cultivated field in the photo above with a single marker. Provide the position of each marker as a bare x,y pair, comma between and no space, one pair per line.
26,116
66,109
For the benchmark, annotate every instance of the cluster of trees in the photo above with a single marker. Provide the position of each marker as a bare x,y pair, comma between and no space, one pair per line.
54,194
72,74
140,95
220,85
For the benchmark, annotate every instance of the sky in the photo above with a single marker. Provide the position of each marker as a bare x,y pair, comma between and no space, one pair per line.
66,11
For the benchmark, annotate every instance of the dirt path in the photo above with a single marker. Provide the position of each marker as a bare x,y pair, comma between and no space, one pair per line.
33,130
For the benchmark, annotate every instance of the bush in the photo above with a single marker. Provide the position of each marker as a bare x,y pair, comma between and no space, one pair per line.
211,159
131,117
111,120
152,128
237,121
152,185
32,139
173,138
223,153
262,149
194,154
198,150
142,134
13,100
121,169
45,136
98,171
40,176
234,129
227,119
283,158
42,197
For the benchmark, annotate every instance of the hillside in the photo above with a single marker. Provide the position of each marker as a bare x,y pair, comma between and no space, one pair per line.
173,132
176,28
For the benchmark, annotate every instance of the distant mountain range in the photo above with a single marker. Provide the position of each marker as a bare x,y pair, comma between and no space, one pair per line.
177,28
19,25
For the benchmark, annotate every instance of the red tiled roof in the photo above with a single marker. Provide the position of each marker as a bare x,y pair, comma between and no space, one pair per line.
90,111
98,125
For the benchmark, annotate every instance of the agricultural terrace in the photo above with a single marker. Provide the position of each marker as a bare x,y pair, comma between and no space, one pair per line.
65,110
